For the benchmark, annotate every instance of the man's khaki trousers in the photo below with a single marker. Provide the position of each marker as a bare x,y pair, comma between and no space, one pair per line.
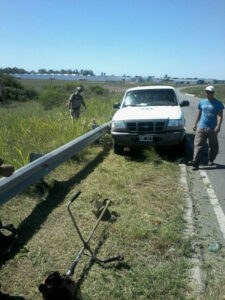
201,137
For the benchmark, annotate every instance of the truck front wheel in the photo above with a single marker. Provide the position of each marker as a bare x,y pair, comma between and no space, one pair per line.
118,149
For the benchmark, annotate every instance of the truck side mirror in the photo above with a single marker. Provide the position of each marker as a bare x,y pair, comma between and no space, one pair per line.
184,103
116,105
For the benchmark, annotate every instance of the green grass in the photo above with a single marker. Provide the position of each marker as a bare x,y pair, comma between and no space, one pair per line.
118,87
199,91
147,211
112,86
28,128
146,227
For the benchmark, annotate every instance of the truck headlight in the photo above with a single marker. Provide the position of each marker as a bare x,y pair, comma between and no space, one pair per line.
118,125
175,124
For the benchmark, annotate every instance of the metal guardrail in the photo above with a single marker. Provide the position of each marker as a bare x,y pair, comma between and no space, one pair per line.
25,176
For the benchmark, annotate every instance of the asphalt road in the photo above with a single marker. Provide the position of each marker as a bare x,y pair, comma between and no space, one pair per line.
207,190
217,173
208,184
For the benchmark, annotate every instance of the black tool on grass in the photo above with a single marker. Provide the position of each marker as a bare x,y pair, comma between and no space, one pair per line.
8,236
62,286
86,243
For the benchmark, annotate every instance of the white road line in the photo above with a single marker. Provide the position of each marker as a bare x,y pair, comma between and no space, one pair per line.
214,201
212,197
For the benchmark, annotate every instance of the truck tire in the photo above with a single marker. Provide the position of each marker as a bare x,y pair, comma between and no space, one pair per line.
118,149
182,147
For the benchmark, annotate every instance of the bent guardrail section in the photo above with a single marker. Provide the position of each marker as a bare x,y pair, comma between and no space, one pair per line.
25,176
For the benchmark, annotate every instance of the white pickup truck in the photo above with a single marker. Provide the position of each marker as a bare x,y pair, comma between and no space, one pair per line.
148,115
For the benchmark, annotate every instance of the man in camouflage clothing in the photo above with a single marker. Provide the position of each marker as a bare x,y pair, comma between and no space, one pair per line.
74,103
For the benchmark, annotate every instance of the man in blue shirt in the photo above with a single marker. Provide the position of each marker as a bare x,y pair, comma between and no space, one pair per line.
210,115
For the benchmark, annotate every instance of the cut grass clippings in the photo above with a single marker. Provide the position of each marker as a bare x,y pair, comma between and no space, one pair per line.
146,227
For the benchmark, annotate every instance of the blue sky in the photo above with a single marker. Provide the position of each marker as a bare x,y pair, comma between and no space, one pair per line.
132,37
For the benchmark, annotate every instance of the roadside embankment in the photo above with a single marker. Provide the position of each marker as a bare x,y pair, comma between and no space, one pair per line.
146,226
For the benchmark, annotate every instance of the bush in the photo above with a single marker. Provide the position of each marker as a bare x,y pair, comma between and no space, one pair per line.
12,93
9,81
98,90
13,90
52,98
31,93
70,87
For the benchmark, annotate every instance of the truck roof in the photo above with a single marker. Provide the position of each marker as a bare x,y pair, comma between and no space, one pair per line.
151,87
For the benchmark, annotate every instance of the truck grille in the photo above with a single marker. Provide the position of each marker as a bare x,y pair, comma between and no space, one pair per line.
146,126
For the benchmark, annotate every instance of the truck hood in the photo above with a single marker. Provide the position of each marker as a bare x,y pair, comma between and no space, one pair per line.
148,113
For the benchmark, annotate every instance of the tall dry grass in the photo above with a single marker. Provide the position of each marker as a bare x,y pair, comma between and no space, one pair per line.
27,127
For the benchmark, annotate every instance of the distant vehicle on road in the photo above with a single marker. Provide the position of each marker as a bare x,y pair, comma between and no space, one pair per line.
148,116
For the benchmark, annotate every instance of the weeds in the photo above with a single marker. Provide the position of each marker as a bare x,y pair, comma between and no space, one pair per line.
29,128
147,209
199,91
147,229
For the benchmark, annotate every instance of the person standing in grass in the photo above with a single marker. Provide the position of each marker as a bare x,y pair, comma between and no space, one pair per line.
74,103
210,115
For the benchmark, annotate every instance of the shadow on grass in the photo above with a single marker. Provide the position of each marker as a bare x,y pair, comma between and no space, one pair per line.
8,297
56,195
86,270
170,153
181,153
138,155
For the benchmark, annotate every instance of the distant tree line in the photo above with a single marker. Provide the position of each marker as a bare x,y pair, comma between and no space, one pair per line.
45,71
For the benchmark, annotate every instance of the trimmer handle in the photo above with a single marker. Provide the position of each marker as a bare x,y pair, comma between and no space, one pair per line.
117,257
75,196
72,268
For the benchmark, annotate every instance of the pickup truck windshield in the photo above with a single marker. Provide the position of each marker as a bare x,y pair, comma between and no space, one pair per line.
148,97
